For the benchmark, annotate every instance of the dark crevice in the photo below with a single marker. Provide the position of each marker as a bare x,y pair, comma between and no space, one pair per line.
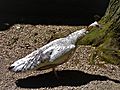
54,12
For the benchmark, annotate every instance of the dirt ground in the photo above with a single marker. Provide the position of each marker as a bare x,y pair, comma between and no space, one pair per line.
76,74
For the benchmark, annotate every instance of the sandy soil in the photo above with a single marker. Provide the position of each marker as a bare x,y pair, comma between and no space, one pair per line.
76,74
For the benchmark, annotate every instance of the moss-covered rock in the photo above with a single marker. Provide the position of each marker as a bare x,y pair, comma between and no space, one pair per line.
106,40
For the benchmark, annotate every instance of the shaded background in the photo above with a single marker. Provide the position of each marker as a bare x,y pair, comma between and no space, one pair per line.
63,12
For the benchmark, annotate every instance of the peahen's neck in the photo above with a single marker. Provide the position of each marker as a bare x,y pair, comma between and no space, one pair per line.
73,37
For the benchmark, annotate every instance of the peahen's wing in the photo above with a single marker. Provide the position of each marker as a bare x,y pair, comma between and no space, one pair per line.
59,51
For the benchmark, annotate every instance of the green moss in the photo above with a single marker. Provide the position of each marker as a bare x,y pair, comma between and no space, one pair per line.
105,54
93,57
110,55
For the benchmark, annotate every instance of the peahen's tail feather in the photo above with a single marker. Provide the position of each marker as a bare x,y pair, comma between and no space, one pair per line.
29,62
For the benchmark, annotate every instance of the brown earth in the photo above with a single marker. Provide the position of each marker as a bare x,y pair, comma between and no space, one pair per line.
76,74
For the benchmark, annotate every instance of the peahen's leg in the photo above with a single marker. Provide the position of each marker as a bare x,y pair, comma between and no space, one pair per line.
54,71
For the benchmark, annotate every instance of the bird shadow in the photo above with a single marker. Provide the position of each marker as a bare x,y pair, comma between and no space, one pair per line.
66,78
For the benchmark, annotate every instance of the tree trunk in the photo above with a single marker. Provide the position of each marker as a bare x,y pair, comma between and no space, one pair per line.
107,39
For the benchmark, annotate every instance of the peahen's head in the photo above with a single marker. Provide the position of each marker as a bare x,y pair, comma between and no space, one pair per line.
95,24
